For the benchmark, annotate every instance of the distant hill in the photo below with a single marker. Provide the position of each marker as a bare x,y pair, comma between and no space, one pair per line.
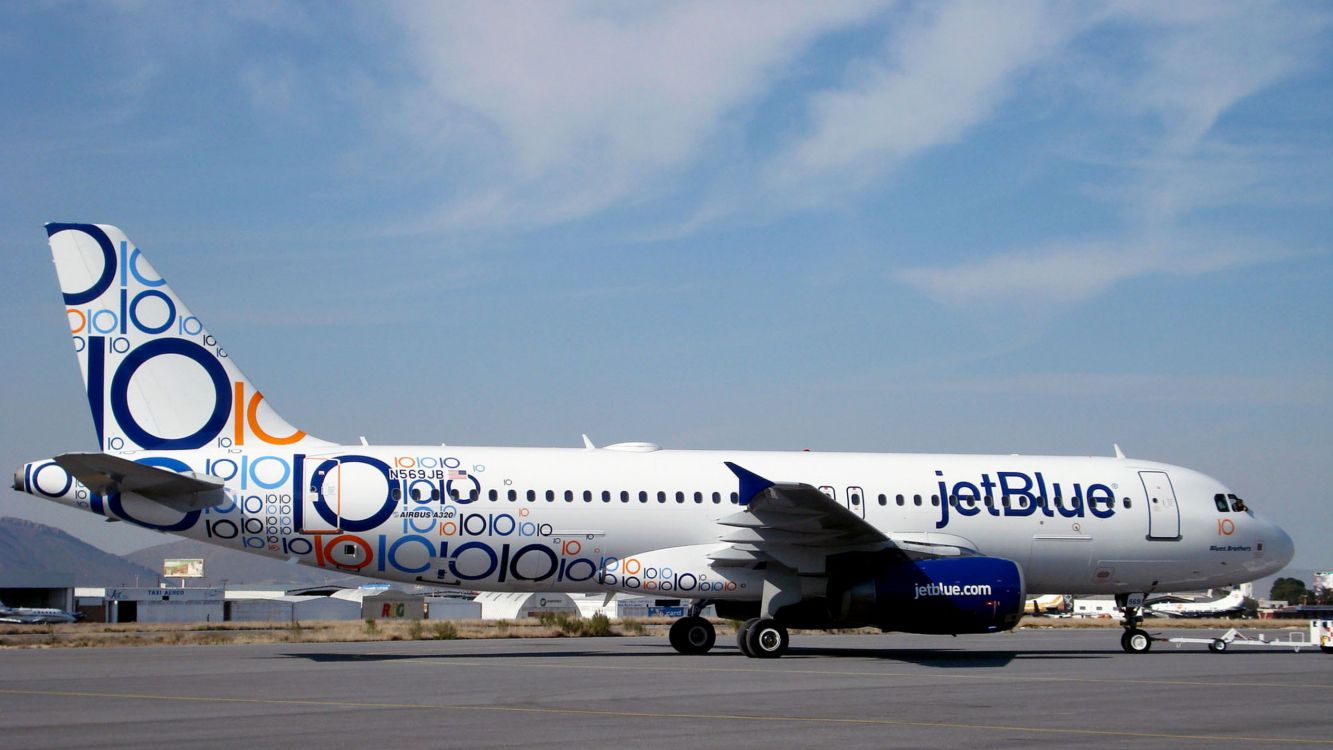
30,550
238,568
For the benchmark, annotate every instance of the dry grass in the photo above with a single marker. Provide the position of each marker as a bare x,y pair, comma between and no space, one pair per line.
78,635
83,635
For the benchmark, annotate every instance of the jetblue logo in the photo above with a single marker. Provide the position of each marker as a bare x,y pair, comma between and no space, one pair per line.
951,589
1016,493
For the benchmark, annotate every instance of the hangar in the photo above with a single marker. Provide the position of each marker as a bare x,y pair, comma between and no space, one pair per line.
29,589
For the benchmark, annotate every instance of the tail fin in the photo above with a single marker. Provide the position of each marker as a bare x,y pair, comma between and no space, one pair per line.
156,379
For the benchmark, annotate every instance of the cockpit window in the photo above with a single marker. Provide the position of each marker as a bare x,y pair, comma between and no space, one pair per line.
1221,501
1237,504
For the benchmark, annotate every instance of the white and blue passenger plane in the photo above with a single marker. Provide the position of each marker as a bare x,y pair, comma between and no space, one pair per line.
909,542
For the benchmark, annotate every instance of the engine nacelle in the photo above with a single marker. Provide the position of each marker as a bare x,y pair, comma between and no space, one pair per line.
947,595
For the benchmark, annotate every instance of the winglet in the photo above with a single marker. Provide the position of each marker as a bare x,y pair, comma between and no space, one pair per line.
587,443
751,483
1118,453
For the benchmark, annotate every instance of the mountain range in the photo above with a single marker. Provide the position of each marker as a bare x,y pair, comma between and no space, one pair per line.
29,551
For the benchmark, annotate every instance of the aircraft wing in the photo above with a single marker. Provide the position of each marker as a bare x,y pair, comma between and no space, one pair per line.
794,524
103,473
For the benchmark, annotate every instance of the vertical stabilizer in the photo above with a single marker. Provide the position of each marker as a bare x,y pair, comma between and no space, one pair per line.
156,379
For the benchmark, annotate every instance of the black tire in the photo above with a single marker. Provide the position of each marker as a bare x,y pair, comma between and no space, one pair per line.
766,639
1326,649
1217,646
692,635
741,634
1136,641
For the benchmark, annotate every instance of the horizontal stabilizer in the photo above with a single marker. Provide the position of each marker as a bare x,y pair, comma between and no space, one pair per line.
103,473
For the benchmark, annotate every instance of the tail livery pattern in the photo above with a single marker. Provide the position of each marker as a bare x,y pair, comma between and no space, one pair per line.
156,379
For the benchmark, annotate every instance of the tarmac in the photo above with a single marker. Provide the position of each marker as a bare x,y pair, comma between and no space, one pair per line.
1050,688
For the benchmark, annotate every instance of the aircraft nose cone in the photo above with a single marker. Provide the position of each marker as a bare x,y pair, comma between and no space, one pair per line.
1280,548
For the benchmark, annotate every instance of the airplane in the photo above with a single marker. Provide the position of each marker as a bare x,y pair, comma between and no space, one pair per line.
36,615
921,543
1049,604
1231,604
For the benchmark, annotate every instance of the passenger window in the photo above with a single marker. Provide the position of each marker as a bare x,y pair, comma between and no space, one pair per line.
624,496
735,498
661,497
606,496
901,500
569,496
532,496
1128,503
717,498
550,496
883,500
513,495
935,500
416,494
855,497
916,500
494,495
643,496
397,493
698,497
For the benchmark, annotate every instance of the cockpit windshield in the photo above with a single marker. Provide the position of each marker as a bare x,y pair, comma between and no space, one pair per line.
1229,503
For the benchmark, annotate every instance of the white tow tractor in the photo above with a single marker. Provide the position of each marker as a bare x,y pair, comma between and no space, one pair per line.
1320,635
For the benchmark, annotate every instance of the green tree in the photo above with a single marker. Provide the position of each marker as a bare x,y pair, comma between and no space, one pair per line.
1289,590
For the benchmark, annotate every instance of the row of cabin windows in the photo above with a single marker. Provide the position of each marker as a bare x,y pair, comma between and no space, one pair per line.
588,496
716,497
1005,501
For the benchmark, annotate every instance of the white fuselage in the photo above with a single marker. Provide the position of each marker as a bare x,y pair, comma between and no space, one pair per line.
638,519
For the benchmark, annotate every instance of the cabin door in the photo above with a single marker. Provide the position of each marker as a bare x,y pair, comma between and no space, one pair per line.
321,496
1163,512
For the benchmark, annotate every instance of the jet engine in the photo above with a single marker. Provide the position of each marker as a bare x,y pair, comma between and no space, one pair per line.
948,595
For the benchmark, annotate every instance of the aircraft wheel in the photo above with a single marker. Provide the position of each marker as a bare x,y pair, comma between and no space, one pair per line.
742,633
1136,641
1217,646
767,639
692,635
1326,649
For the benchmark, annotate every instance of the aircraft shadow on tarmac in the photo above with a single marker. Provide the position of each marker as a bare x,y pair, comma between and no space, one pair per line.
938,658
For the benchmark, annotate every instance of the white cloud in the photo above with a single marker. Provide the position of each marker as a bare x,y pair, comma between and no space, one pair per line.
579,106
940,74
1064,274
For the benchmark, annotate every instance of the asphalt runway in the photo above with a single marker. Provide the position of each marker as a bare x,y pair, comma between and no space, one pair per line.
1051,688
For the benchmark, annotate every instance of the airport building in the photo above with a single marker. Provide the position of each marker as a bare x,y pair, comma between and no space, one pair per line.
151,604
37,590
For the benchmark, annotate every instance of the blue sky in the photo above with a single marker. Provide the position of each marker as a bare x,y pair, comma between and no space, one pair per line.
1008,228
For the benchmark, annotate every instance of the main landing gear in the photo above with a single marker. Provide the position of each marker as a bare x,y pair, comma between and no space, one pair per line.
693,634
762,638
758,637
1135,639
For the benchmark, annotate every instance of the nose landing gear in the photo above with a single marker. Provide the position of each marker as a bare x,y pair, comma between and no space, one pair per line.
1135,640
